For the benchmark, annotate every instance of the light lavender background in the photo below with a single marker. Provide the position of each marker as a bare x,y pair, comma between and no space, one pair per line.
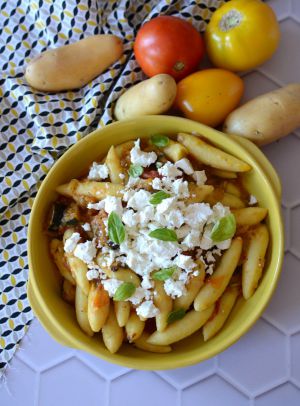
262,369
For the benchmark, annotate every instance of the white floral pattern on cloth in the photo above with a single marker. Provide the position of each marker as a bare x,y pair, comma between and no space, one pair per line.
36,127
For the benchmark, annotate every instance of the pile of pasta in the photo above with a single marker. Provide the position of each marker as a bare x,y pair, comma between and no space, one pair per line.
209,299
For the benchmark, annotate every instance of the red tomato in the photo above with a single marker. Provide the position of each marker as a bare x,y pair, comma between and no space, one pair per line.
168,45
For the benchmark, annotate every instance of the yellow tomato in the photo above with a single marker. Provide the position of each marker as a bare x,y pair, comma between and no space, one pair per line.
242,34
209,95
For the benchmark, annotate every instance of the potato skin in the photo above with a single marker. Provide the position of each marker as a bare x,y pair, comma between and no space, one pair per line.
267,117
152,96
73,66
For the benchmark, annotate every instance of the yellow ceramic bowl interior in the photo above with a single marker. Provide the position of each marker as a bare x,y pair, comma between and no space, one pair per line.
44,289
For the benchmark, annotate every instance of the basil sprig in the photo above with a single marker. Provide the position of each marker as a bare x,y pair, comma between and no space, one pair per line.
116,229
158,197
175,315
160,140
124,291
163,234
135,171
164,274
223,229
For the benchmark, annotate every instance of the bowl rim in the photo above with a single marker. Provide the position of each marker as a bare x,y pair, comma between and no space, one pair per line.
50,322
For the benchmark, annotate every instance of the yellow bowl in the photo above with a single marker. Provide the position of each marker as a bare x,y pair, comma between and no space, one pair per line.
44,291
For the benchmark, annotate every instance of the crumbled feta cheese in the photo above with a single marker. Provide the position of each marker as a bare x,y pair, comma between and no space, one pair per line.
206,242
157,184
219,211
180,188
185,262
175,218
174,288
147,310
142,158
165,205
209,257
192,239
111,286
92,274
169,170
113,203
224,245
252,200
147,283
86,226
197,214
138,296
139,200
71,242
185,165
183,231
130,218
209,269
85,251
121,176
200,177
96,206
98,172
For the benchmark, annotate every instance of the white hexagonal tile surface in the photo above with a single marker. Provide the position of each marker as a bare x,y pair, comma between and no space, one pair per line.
213,391
283,310
71,383
286,394
253,371
257,360
141,388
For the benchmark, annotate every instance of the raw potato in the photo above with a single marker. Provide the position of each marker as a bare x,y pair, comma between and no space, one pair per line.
267,117
152,96
73,66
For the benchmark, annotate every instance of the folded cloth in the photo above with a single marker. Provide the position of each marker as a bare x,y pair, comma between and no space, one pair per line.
36,127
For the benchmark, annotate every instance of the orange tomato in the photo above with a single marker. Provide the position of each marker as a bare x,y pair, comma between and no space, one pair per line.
209,95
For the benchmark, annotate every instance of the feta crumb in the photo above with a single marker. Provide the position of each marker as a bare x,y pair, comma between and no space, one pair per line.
113,203
138,296
185,165
174,288
139,200
121,176
180,188
111,286
169,170
142,158
209,269
71,242
200,177
147,310
184,262
96,206
92,274
252,200
165,205
86,226
197,214
224,245
157,184
85,251
98,172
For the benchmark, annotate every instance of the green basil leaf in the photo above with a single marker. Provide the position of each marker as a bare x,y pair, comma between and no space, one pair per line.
224,228
158,197
160,140
135,170
164,234
164,273
116,229
124,291
175,315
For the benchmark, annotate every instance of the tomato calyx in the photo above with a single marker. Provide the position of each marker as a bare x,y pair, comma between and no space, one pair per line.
230,20
179,66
